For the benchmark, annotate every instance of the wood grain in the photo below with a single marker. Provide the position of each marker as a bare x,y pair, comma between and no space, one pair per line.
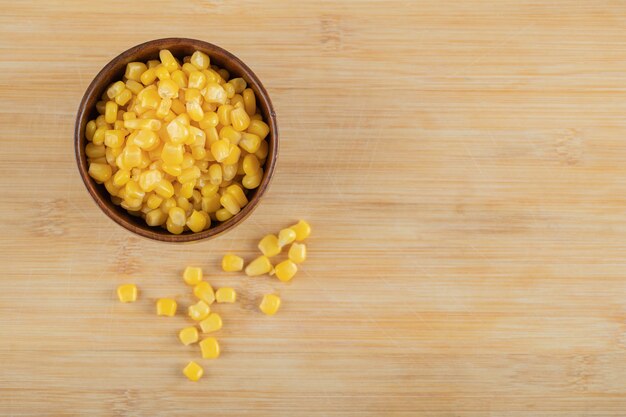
463,165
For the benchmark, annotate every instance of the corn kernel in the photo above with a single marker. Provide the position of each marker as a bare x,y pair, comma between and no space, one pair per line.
166,307
249,142
239,118
194,109
232,263
192,275
177,216
173,228
211,204
200,60
270,304
263,150
239,84
164,188
269,246
151,124
148,76
168,60
197,80
127,293
249,101
204,292
302,229
134,86
196,222
115,88
236,191
110,112
252,181
100,172
286,270
215,174
188,335
95,151
114,138
210,348
222,215
186,189
230,203
251,164
155,217
220,150
124,97
286,236
225,295
223,114
193,371
259,266
228,173
215,93
230,90
297,252
212,323
199,311
150,179
233,155
172,154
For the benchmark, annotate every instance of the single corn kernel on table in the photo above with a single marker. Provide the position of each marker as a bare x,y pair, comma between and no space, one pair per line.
462,165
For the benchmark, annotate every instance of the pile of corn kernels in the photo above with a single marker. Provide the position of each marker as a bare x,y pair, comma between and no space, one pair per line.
178,145
200,312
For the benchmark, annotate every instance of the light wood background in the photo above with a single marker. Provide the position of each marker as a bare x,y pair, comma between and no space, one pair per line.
463,164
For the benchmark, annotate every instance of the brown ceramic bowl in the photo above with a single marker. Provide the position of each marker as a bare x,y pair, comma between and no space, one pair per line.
113,71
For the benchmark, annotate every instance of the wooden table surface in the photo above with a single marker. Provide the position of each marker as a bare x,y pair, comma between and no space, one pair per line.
463,164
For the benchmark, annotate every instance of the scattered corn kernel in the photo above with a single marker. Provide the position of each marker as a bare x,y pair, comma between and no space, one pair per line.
193,371
127,293
302,229
199,311
166,307
204,292
259,266
286,270
210,348
188,335
270,304
192,275
297,252
211,324
286,236
232,263
225,295
269,246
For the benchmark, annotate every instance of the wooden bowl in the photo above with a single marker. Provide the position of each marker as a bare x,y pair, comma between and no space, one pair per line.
113,71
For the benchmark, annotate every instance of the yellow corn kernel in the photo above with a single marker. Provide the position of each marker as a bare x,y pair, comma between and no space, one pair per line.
164,189
223,114
194,109
210,119
249,142
286,236
215,174
211,204
236,191
269,246
148,76
152,63
197,80
222,215
177,130
215,93
232,263
173,228
155,217
189,174
134,86
166,307
230,203
150,99
127,293
199,311
121,177
210,348
167,204
129,115
225,295
188,335
200,60
90,129
179,78
199,153
124,97
177,216
100,172
230,90
110,112
150,179
297,252
151,124
286,270
220,150
100,107
224,74
270,304
263,150
115,88
193,371
168,60
98,135
173,170
164,108
188,161
95,151
209,190
239,118
230,134
204,292
196,222
259,128
134,70
172,154
239,84
154,201
251,164
228,173
186,189
259,266
252,181
192,275
233,155
146,139
168,89
114,138
249,101
134,191
302,229
188,68
212,323
237,100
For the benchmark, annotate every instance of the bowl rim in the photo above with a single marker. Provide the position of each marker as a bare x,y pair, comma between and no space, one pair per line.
104,76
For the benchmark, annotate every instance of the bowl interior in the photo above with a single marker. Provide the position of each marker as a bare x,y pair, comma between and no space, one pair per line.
114,71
